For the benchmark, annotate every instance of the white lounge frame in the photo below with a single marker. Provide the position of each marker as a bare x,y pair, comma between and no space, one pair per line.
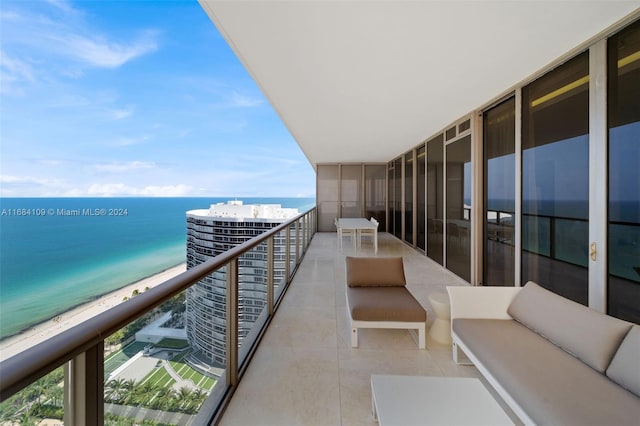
483,303
403,325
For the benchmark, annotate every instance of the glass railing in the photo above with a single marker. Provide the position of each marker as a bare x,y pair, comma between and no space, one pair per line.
141,363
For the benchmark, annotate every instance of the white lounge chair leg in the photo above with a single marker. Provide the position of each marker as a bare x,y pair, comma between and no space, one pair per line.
354,337
422,342
458,355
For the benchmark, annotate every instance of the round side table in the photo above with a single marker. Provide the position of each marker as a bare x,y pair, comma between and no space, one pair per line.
441,328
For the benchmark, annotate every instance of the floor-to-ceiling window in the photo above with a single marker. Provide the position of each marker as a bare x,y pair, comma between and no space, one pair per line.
374,190
435,187
458,220
555,180
328,196
421,164
341,192
397,199
408,197
351,196
624,174
499,194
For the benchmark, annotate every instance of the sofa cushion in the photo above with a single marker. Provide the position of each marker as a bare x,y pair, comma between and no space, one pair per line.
587,334
625,365
375,271
549,384
384,304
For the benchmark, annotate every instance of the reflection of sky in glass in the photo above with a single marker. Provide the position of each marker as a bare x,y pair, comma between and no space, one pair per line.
555,178
467,183
501,186
624,173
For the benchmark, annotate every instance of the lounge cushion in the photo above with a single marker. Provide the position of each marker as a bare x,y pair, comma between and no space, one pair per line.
384,304
375,271
587,334
550,385
625,366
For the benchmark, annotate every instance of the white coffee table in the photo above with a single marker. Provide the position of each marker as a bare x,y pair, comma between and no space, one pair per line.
422,400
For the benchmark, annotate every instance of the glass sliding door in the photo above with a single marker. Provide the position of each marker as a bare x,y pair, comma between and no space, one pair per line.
374,191
555,180
624,175
327,193
351,191
499,127
397,199
435,211
458,229
408,197
391,194
421,164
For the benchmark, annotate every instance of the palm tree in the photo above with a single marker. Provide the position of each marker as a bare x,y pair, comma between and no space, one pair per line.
113,389
142,393
197,399
184,398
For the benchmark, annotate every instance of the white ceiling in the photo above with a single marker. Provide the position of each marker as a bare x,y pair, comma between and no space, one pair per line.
364,81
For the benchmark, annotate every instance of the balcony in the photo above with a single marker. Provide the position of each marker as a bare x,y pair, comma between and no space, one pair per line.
305,371
296,365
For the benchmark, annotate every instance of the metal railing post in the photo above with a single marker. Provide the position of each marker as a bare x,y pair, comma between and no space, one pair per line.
232,323
270,271
298,238
287,267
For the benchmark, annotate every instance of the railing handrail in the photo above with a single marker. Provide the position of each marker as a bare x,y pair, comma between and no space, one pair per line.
29,365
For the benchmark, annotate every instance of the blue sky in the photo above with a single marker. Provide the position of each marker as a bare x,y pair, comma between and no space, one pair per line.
134,98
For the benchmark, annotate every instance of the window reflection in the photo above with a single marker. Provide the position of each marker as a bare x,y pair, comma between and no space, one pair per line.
421,207
374,180
408,197
458,230
555,180
624,176
435,175
499,187
350,191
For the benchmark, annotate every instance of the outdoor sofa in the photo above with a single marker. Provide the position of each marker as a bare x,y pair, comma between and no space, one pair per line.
552,360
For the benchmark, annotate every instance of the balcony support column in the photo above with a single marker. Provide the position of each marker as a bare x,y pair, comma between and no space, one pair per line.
84,388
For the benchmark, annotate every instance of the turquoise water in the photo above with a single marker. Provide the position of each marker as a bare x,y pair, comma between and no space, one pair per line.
57,253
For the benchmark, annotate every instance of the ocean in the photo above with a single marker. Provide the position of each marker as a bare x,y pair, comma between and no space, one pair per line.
57,253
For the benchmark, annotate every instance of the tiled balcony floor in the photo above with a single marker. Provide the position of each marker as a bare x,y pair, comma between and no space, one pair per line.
305,372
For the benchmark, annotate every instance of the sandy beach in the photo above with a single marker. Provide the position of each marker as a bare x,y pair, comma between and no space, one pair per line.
16,344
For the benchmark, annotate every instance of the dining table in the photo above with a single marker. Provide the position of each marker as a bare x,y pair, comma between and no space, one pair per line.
358,225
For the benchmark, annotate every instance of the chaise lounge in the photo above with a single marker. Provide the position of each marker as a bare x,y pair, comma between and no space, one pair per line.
377,297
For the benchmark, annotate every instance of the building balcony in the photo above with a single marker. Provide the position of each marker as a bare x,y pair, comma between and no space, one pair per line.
305,370
295,367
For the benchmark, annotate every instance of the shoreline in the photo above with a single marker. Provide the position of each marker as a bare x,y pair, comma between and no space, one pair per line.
35,334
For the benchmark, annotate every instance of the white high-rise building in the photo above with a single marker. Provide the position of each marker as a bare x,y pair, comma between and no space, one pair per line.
211,232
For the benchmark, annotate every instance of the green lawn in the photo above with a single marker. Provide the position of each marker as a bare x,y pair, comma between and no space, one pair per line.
188,373
172,343
118,358
159,377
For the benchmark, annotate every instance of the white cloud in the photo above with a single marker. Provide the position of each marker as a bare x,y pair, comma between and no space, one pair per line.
21,180
124,167
120,189
13,71
119,114
127,141
241,101
103,53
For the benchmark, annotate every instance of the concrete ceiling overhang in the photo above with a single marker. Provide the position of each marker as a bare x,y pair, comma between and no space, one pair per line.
365,81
